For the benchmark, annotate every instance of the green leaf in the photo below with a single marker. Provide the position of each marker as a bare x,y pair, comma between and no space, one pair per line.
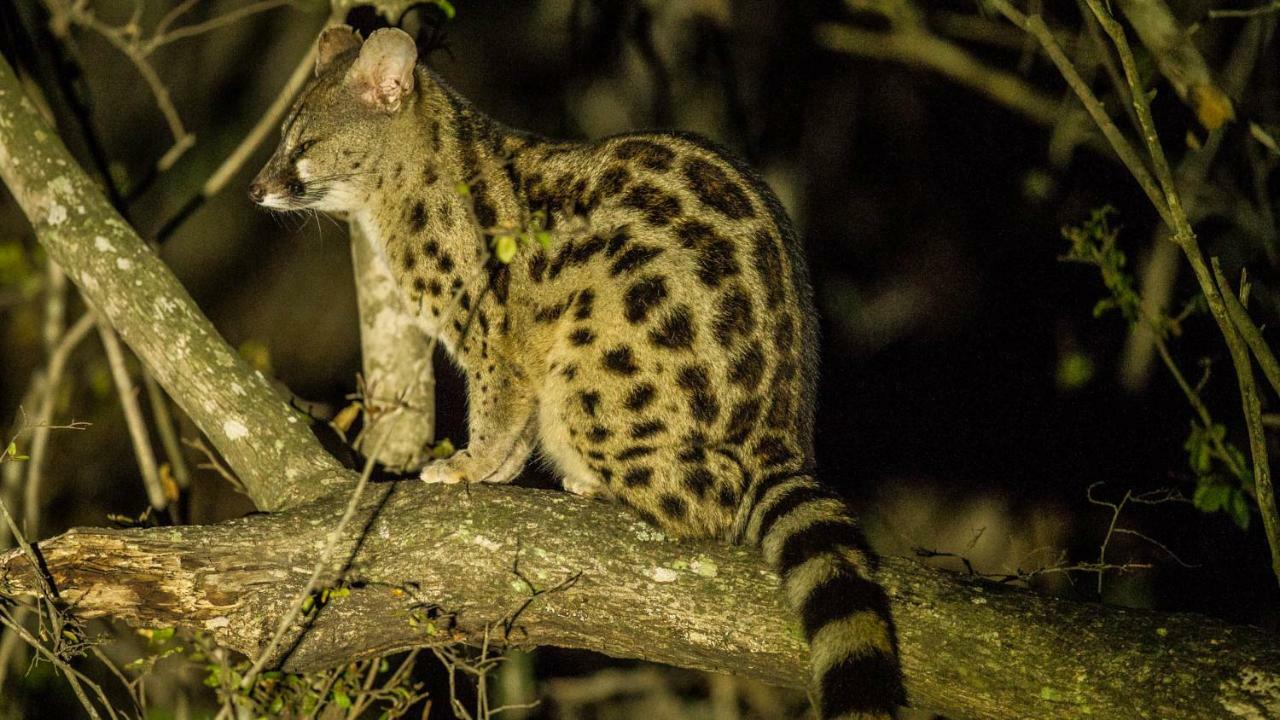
1238,509
505,248
1211,496
341,699
446,7
443,449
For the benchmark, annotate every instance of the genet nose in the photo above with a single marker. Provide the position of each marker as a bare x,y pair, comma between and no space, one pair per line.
256,192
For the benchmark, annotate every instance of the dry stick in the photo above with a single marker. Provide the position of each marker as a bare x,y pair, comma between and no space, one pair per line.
161,39
1186,239
1265,493
74,677
1034,25
142,448
918,47
1249,332
18,632
1268,8
40,437
235,161
165,425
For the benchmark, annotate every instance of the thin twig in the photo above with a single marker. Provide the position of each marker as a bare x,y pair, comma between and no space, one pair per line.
40,437
1034,25
142,448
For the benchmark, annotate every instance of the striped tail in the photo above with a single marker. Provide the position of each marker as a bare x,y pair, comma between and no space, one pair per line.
807,533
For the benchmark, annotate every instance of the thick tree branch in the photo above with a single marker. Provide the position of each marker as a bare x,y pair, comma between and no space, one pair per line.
431,564
398,376
263,439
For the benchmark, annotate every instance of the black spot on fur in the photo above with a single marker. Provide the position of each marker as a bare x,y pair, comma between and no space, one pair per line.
613,180
785,373
702,403
673,506
590,402
773,451
587,249
585,300
643,296
430,174
635,451
784,333
599,434
699,481
638,477
486,215
779,408
716,190
742,420
692,233
419,285
637,256
617,241
692,378
562,257
418,216
675,331
500,281
640,431
431,248
658,207
538,265
727,497
734,316
569,372
748,368
717,261
693,455
647,516
408,260
704,406
434,288
647,153
582,336
620,360
445,260
549,313
640,397
768,263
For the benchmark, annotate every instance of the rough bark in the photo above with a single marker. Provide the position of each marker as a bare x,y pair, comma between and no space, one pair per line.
443,560
397,365
463,560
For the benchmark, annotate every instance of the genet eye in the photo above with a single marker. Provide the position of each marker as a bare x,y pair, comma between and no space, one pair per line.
302,147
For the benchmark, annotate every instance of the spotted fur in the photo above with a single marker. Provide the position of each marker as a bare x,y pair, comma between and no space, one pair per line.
661,352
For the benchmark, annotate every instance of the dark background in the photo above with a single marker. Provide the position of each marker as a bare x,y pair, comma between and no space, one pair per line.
931,216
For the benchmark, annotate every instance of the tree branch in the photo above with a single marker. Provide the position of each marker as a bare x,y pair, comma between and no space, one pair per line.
435,564
263,439
398,376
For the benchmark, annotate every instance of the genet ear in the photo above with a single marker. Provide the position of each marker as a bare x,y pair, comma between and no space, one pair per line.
383,74
335,41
